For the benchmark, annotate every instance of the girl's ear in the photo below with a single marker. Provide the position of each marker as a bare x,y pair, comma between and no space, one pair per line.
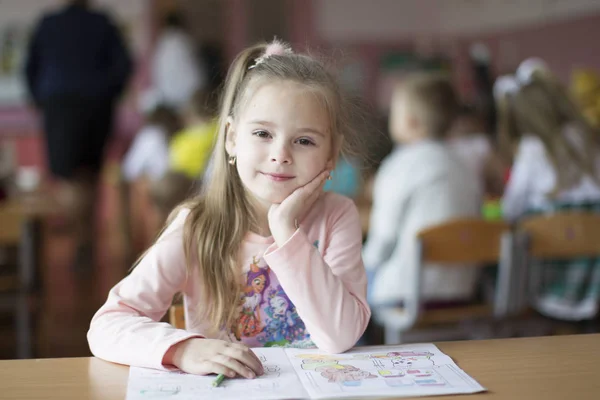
230,137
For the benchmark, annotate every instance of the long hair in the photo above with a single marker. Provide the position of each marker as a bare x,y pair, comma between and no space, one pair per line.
221,216
543,108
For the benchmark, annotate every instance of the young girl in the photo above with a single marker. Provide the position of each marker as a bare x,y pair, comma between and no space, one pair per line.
283,123
149,153
190,148
557,167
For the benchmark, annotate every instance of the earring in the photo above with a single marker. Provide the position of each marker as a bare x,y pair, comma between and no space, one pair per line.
232,160
329,177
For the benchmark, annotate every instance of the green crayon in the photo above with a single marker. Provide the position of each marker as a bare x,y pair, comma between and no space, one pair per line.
218,380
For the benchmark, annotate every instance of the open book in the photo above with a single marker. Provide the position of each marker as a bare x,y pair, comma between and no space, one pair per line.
407,370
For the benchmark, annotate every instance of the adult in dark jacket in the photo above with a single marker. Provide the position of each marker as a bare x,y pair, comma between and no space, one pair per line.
76,69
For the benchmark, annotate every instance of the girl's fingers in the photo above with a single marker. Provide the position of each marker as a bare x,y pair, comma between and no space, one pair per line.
308,202
303,197
235,365
315,184
246,357
247,350
211,367
315,194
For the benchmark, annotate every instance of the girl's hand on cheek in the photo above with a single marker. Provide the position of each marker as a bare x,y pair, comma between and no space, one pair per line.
283,217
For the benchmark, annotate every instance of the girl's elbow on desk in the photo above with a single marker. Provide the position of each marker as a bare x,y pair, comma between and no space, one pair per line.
339,343
333,346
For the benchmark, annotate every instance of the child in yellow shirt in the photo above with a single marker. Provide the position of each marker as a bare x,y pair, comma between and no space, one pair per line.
191,147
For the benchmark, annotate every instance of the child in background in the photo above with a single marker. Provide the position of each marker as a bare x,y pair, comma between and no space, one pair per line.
468,139
148,156
557,167
261,228
421,183
190,149
473,146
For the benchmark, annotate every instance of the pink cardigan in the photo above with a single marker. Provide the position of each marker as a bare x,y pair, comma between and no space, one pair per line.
310,291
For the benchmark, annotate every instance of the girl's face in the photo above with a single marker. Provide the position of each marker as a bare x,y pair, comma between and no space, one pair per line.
279,305
281,139
258,284
404,126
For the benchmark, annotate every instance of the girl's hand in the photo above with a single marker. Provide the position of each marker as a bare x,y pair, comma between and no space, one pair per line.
283,217
212,356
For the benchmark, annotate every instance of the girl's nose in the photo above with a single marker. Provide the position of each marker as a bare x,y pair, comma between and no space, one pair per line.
281,155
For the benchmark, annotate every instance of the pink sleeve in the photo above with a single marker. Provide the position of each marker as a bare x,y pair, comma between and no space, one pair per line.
329,291
126,329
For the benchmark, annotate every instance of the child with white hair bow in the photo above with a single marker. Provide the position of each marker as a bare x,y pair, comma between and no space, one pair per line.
556,167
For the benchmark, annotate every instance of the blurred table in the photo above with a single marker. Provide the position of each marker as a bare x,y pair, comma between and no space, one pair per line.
20,226
21,217
558,367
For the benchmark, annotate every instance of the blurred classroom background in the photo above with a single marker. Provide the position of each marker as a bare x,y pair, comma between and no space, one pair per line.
157,150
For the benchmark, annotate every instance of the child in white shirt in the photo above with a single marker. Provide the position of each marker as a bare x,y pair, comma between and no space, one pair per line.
148,155
557,167
421,183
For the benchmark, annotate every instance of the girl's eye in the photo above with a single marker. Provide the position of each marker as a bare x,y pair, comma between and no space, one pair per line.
305,142
262,134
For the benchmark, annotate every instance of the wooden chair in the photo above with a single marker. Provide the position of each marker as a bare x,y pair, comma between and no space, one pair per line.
466,241
177,316
18,282
562,235
10,235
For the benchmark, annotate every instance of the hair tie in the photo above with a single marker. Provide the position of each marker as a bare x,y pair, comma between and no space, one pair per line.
275,48
505,85
527,68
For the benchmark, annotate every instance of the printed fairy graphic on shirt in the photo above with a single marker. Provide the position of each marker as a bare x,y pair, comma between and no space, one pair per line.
257,280
268,318
283,326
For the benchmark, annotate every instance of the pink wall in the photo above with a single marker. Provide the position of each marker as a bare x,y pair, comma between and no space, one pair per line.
303,34
236,27
563,45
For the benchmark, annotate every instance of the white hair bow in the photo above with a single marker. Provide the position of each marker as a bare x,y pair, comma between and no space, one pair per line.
527,68
510,84
505,85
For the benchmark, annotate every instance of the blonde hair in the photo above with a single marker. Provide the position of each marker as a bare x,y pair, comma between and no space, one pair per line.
433,100
222,215
542,107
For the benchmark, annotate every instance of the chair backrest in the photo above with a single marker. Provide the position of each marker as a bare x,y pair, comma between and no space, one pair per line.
563,235
464,240
11,220
177,316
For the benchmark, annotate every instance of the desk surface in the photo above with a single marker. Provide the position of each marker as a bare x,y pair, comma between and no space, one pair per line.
560,367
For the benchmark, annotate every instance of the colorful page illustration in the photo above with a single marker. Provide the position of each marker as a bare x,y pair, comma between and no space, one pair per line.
410,370
279,382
